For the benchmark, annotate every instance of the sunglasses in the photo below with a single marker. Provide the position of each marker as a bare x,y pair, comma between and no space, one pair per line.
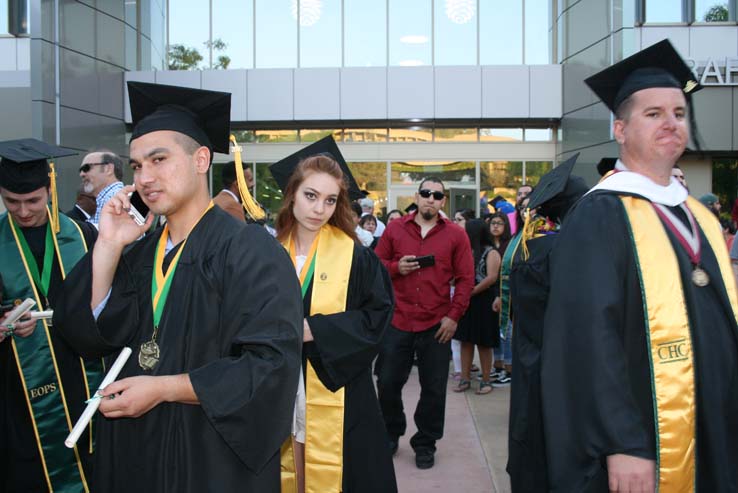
85,168
426,194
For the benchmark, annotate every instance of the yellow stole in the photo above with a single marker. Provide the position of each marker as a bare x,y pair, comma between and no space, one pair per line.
669,336
333,252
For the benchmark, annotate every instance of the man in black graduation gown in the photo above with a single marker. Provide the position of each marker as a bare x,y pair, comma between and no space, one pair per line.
43,382
206,399
640,356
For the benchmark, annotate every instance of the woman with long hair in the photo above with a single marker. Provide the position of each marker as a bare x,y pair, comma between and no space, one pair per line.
339,440
499,227
479,327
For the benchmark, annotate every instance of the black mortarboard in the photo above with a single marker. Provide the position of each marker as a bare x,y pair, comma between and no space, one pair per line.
24,166
606,165
658,65
282,170
411,208
202,115
557,190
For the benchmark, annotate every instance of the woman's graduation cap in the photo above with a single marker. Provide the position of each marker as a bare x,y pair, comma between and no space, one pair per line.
658,65
202,115
282,170
24,167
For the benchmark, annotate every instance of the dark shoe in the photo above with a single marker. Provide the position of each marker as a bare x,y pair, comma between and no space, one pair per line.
503,379
424,459
394,444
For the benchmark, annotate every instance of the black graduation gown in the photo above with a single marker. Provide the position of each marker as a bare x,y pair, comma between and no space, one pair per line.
595,363
529,284
20,463
344,346
233,322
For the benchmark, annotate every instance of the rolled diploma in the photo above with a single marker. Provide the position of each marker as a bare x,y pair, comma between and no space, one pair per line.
46,314
92,406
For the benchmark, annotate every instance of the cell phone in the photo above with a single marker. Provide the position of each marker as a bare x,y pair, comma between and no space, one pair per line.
139,210
425,261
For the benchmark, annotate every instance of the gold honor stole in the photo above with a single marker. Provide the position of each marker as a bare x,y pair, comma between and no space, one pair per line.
669,337
36,359
332,253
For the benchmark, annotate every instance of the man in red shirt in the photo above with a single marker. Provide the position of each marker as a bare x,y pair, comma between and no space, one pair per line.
425,314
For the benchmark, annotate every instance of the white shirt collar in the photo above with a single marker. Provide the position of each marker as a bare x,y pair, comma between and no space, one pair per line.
636,183
232,195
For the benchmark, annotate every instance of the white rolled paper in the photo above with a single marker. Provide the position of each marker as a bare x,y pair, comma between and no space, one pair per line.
17,312
92,406
46,314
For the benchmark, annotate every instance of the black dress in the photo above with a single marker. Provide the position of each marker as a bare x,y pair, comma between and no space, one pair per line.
342,352
480,325
233,322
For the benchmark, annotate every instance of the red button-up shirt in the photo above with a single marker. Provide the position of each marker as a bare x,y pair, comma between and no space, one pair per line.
423,297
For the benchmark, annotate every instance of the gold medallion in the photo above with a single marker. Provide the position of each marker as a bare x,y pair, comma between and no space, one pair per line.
700,277
148,355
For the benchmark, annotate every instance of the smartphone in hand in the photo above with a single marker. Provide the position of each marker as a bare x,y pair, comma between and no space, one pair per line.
139,210
425,261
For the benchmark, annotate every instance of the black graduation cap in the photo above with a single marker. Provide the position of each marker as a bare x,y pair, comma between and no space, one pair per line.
282,170
411,208
202,115
658,65
557,190
606,165
24,166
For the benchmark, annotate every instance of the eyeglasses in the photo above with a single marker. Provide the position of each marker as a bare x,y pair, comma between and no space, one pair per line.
85,168
426,194
496,223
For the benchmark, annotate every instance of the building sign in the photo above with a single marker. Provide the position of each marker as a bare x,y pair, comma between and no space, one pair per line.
715,71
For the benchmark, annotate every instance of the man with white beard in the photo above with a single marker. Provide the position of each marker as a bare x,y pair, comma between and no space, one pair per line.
101,173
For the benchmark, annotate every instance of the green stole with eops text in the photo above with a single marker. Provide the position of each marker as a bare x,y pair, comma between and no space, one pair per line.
36,359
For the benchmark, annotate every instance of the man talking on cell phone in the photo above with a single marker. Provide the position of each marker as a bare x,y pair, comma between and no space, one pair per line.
425,315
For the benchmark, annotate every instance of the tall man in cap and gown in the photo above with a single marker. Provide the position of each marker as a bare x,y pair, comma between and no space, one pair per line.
640,349
43,382
210,306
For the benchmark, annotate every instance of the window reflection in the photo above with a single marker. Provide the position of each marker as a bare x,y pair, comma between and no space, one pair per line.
267,193
455,41
711,11
537,134
535,169
276,35
320,33
372,177
457,177
233,24
188,35
537,32
365,135
455,134
275,136
365,33
500,134
499,178
500,32
412,134
410,32
663,11
314,135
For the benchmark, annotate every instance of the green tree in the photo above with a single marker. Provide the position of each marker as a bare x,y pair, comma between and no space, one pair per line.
717,13
183,58
222,61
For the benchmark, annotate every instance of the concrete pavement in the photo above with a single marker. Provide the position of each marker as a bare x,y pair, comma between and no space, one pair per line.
472,455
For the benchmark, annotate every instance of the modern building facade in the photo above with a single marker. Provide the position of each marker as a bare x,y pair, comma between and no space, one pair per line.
487,94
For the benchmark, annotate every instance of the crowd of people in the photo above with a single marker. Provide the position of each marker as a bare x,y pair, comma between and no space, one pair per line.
612,310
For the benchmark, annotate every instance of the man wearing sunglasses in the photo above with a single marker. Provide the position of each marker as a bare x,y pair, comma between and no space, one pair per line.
423,252
101,173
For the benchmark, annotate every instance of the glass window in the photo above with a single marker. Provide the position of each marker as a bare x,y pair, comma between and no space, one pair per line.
455,41
244,136
412,134
188,35
372,177
663,10
455,134
711,11
410,32
500,32
320,33
537,32
534,170
275,136
365,135
365,33
498,178
500,134
457,177
276,34
314,135
233,35
267,193
538,134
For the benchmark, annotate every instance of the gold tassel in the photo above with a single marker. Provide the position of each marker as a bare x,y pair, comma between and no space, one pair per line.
528,229
248,201
54,200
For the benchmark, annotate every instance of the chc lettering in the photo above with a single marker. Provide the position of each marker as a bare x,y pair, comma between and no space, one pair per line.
673,351
43,390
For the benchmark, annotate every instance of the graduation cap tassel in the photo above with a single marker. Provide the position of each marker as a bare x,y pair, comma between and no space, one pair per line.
54,199
528,227
248,201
